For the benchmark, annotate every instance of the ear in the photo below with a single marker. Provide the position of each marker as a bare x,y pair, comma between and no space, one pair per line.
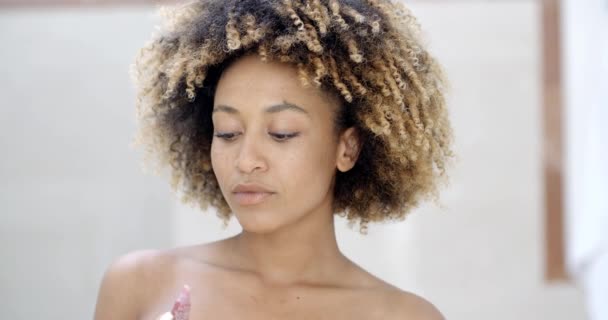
349,147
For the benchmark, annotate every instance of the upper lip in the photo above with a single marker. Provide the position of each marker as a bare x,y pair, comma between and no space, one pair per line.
250,187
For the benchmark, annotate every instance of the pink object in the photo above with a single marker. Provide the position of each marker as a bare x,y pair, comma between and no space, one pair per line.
181,307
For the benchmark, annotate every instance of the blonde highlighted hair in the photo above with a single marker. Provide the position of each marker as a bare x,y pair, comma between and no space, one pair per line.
368,52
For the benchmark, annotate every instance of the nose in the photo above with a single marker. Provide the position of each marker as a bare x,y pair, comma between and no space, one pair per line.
251,156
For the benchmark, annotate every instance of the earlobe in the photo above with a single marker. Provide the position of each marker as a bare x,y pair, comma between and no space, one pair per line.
349,148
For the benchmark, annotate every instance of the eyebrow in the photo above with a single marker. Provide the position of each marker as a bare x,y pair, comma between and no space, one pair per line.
272,109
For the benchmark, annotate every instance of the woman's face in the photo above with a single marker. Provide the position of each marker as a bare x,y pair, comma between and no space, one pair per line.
275,150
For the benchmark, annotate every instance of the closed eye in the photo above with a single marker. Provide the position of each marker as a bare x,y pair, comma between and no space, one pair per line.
281,137
228,136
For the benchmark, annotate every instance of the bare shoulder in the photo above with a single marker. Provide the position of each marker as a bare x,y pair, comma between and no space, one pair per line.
406,305
127,280
395,303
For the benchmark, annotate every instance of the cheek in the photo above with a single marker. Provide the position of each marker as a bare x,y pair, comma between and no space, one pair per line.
220,163
310,167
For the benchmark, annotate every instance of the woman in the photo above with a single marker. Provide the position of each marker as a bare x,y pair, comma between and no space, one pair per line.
282,114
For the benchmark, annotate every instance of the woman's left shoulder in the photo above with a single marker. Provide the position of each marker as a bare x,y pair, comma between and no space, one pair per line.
395,303
407,305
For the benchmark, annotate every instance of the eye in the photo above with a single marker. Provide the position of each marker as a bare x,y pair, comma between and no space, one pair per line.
281,137
227,136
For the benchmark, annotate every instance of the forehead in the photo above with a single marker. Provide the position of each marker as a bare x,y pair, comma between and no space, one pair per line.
251,83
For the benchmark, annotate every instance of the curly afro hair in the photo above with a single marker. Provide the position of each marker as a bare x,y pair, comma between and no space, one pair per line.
367,52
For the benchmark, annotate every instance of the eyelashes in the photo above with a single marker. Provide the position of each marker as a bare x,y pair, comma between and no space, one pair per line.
283,136
226,136
279,137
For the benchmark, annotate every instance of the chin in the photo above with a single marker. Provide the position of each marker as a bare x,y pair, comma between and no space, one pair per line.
260,223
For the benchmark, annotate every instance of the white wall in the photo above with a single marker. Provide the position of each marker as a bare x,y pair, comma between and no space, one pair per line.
73,196
585,65
483,258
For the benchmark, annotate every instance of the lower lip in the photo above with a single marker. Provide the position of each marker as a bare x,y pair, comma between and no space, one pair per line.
251,198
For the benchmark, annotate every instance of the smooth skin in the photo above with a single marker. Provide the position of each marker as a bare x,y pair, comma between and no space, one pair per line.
271,131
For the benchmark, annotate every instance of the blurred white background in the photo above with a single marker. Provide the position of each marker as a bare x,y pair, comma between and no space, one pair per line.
73,196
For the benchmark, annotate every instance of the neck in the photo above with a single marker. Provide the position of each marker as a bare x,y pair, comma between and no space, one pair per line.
303,252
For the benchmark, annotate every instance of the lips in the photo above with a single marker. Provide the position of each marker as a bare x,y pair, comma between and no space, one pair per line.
251,194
